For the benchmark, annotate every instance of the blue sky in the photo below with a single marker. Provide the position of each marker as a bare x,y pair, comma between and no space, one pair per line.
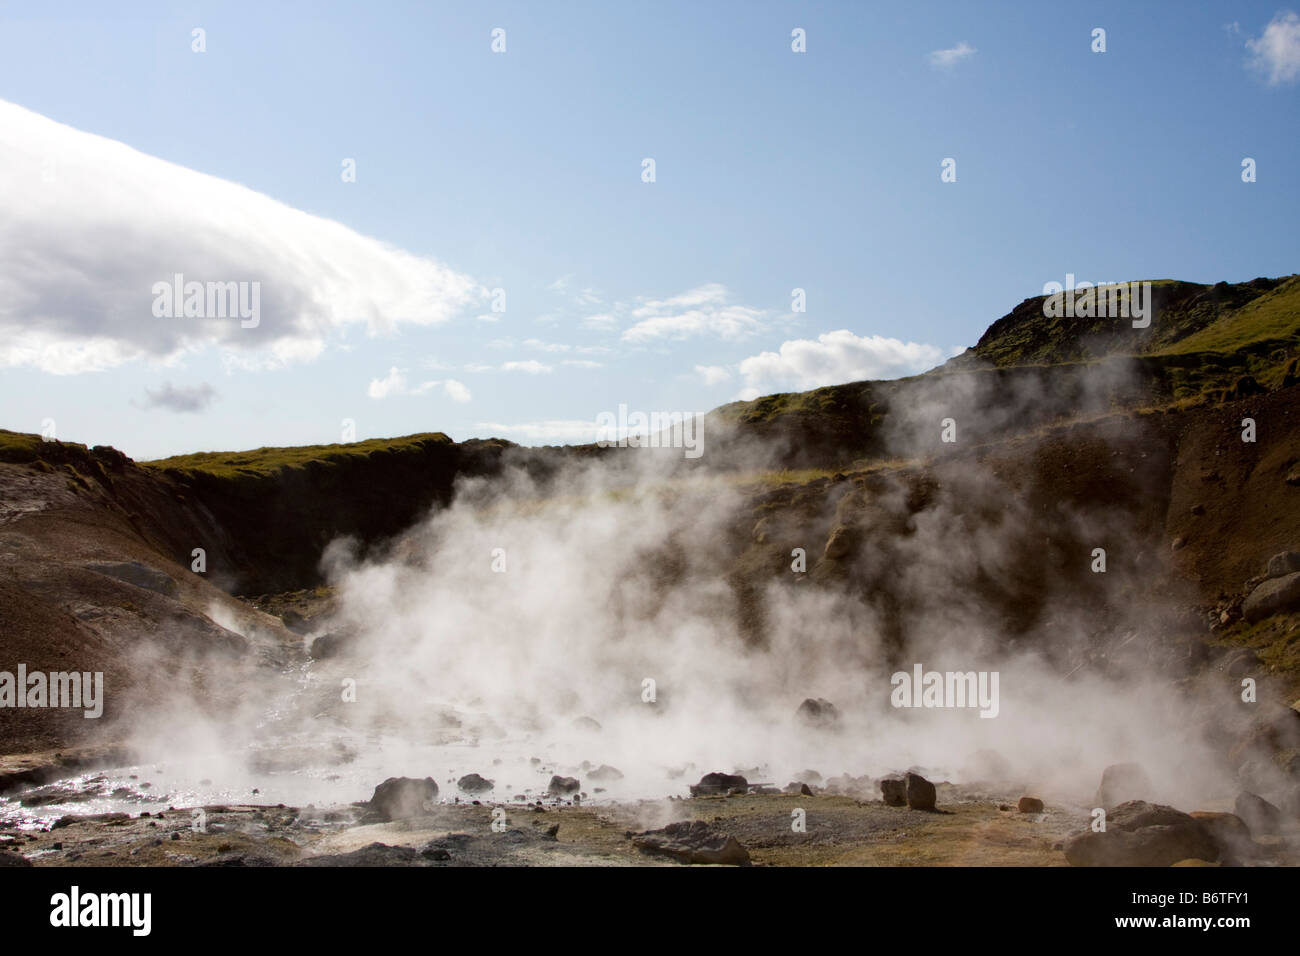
522,171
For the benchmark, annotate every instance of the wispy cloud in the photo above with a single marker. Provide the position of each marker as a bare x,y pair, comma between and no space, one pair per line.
531,366
713,374
549,430
704,310
946,59
1276,53
89,225
396,383
181,398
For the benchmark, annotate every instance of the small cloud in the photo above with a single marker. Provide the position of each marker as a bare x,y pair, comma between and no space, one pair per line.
582,363
713,374
561,284
531,366
487,317
704,310
946,59
395,383
180,399
456,391
1276,53
546,346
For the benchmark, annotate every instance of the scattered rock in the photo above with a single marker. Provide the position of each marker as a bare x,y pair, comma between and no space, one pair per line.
376,854
563,786
473,783
894,791
719,783
1257,813
693,842
1030,805
920,792
817,713
399,798
797,786
1272,596
1122,782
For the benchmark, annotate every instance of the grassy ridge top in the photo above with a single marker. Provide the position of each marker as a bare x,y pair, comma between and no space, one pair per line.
262,462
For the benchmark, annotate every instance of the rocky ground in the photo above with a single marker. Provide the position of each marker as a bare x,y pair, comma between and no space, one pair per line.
945,825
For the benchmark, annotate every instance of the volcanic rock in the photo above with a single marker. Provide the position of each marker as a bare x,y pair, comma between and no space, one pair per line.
1143,834
719,783
920,792
693,842
563,786
1257,813
1282,564
894,791
1030,805
1272,596
399,798
473,783
817,713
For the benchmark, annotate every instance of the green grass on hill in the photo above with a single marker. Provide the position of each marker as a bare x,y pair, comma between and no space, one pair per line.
261,462
1274,317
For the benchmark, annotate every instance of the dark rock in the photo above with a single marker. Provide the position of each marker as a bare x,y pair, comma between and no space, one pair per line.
473,783
693,842
240,860
920,792
563,786
1272,596
435,853
335,644
817,713
1258,814
13,859
1228,831
719,783
1122,782
894,791
399,798
1143,834
1030,805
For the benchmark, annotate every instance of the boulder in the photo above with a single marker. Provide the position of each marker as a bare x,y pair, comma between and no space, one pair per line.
1030,805
894,791
719,783
1271,597
605,772
1122,782
1283,563
1143,834
400,798
563,786
473,783
817,713
1257,813
1228,831
920,792
693,842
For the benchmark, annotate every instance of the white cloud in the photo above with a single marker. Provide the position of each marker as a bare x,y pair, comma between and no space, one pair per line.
395,383
835,358
704,310
1276,53
89,225
946,59
582,363
181,398
531,366
713,374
